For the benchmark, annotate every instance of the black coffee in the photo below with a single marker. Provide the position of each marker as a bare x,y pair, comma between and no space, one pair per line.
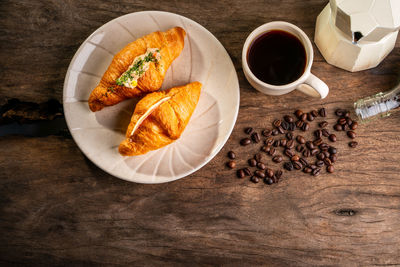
277,57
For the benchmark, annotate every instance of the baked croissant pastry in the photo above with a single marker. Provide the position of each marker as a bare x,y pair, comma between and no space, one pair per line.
139,68
159,119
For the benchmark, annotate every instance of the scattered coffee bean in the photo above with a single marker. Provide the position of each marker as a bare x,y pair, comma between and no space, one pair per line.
269,173
231,155
245,141
254,179
310,117
268,181
327,154
351,134
288,118
332,150
333,158
295,158
266,132
278,174
316,172
252,162
289,153
265,149
317,142
314,152
314,113
248,130
300,139
322,112
341,121
327,161
303,117
330,168
337,127
298,113
297,165
290,144
280,129
288,166
299,148
306,153
277,159
292,126
258,157
303,162
320,156
345,127
339,112
240,173
276,143
325,132
275,132
277,123
269,141
283,142
353,144
261,166
354,125
247,171
285,125
318,133
289,136
310,145
259,174
272,151
299,124
323,124
313,167
256,137
323,147
231,164
307,170
305,126
332,137
346,114
349,121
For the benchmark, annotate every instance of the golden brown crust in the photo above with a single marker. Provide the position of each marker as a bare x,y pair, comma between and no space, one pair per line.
165,124
107,93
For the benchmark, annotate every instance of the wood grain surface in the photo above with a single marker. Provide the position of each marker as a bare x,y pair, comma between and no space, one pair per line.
58,209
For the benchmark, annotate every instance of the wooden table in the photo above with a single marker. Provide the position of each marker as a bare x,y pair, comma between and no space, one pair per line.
57,208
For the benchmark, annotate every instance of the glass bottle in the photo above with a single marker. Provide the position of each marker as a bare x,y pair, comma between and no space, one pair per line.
378,106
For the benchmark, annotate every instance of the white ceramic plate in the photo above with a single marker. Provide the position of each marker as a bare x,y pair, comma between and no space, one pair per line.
98,134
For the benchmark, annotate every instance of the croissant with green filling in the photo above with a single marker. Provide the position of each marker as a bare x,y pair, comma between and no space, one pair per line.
139,68
159,119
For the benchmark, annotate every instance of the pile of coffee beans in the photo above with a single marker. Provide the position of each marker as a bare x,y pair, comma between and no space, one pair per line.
298,153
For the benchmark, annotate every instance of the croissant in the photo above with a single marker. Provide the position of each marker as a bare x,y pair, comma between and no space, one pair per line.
139,68
159,119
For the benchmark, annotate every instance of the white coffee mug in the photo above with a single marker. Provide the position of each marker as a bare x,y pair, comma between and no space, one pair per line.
308,83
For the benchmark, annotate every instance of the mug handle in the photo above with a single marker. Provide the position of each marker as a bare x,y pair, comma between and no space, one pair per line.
314,87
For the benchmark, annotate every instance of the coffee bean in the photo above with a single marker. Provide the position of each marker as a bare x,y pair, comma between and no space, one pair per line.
248,130
231,155
307,153
266,132
317,142
268,181
258,157
276,143
318,133
299,148
278,174
354,125
277,159
292,126
299,124
300,139
288,166
325,132
269,141
295,158
313,152
259,174
339,112
289,136
349,121
254,179
275,132
310,117
332,150
326,153
332,137
341,121
323,124
323,147
256,137
313,167
283,142
245,141
314,113
310,145
303,117
261,166
247,171
280,129
351,134
298,113
316,172
272,151
320,156
346,114
353,144
305,126
240,173
265,149
277,123
269,173
297,165
231,164
327,161
290,144
345,127
330,168
288,118
333,158
303,162
337,127
252,162
307,170
289,153
285,125
322,112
